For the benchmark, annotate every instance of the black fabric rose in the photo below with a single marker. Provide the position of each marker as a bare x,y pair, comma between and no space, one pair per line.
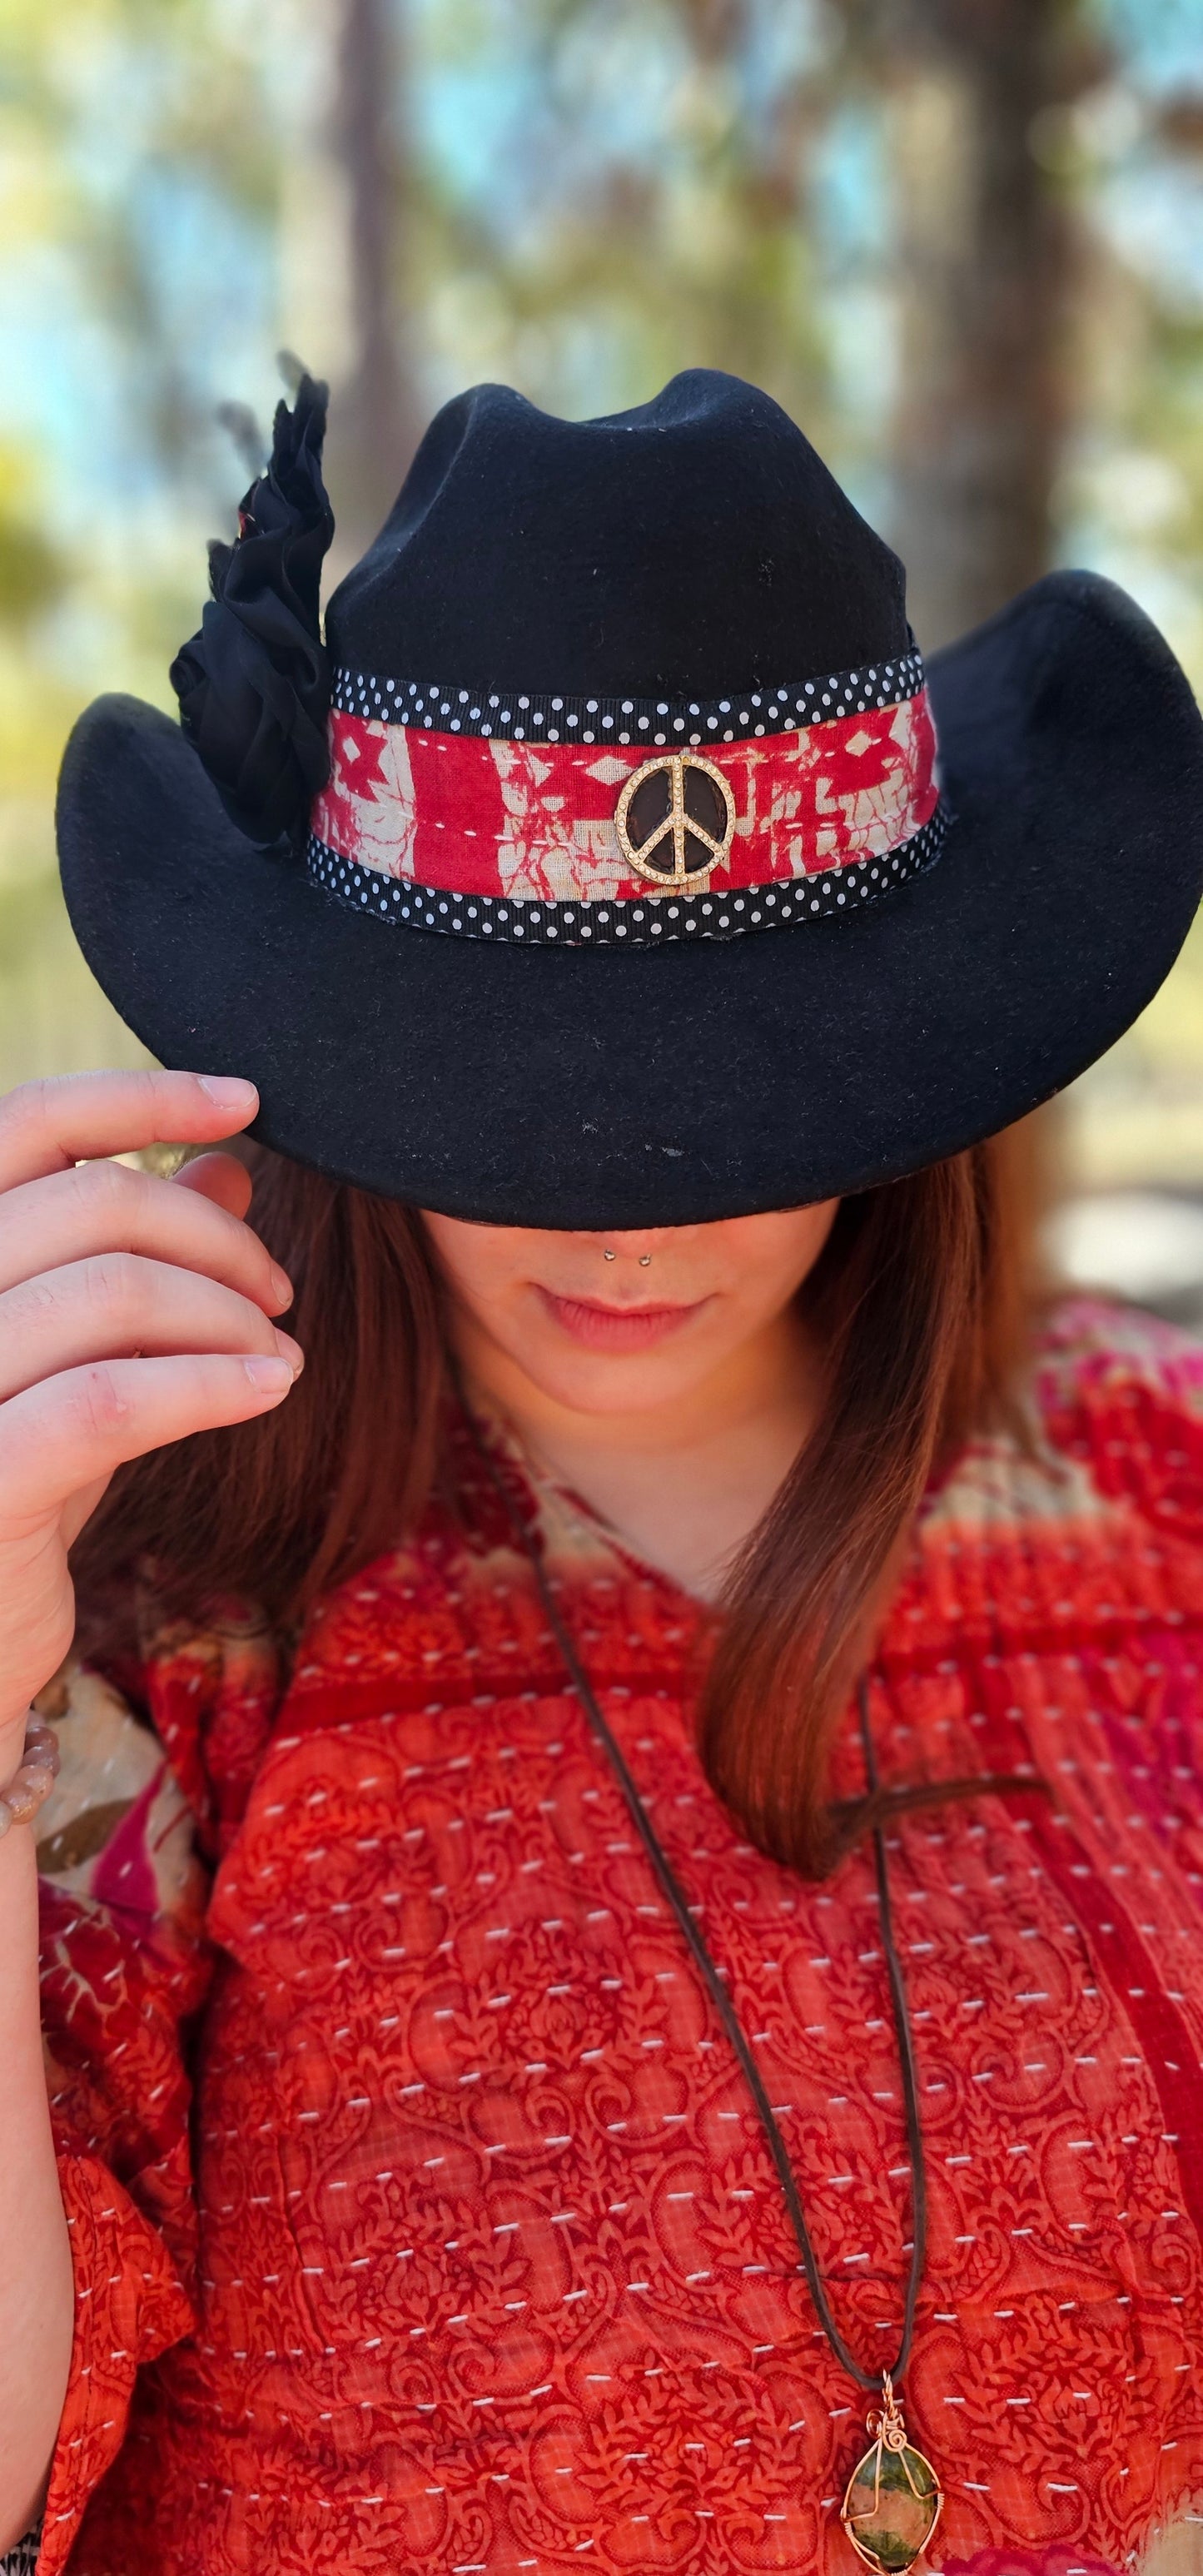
254,684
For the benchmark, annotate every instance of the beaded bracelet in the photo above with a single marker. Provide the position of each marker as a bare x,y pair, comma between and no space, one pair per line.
30,1786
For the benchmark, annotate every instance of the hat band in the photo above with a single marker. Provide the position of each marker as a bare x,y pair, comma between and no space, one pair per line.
528,829
649,922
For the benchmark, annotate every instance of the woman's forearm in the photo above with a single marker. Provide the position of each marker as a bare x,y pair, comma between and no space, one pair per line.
132,1313
36,2286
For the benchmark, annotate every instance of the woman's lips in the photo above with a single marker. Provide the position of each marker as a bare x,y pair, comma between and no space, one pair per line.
616,1328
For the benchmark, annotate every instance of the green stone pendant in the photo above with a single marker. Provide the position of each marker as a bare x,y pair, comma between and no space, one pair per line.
892,2500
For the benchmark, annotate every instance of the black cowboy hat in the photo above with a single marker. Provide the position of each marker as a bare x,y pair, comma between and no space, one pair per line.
622,886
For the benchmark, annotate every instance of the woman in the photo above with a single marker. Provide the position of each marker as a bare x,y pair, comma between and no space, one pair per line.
623,1889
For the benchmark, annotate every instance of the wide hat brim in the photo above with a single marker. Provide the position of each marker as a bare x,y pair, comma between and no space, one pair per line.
621,1088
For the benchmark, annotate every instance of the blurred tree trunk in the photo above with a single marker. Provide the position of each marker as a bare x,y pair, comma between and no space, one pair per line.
986,264
374,424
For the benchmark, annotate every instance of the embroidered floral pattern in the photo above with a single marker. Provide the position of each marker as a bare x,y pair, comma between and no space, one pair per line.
493,2266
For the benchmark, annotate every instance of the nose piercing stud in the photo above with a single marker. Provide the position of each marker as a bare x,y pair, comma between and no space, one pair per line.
645,1261
609,1256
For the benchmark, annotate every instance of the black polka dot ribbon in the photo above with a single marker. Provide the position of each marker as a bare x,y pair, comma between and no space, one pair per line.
524,716
648,922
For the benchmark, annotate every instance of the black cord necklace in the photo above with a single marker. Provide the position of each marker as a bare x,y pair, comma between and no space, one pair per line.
893,2497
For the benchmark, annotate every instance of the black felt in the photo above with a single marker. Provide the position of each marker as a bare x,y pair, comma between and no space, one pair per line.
619,1088
693,546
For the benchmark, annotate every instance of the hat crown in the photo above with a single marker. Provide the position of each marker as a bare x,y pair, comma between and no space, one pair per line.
693,544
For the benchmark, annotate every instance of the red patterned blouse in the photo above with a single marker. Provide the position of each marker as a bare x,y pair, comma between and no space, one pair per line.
421,2218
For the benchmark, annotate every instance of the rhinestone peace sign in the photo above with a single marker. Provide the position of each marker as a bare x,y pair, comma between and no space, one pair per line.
680,808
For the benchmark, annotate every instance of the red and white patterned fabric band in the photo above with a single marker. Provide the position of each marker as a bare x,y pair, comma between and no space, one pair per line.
597,820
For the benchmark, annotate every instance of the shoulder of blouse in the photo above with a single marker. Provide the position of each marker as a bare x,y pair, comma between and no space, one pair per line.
1108,1421
1089,1335
1121,1391
144,1683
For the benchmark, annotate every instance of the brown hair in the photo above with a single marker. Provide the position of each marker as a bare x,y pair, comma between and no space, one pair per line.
918,1303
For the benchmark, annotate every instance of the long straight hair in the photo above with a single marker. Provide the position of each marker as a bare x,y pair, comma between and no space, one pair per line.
918,1309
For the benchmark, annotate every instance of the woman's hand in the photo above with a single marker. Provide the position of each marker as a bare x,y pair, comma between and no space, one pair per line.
133,1311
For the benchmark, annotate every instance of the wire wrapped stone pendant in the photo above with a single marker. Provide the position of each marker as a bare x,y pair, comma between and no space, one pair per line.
893,2498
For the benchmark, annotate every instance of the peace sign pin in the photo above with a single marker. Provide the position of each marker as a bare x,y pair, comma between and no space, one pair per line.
675,820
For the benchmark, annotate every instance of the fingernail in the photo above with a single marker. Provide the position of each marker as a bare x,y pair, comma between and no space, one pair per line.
292,1352
269,1377
281,1285
228,1091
